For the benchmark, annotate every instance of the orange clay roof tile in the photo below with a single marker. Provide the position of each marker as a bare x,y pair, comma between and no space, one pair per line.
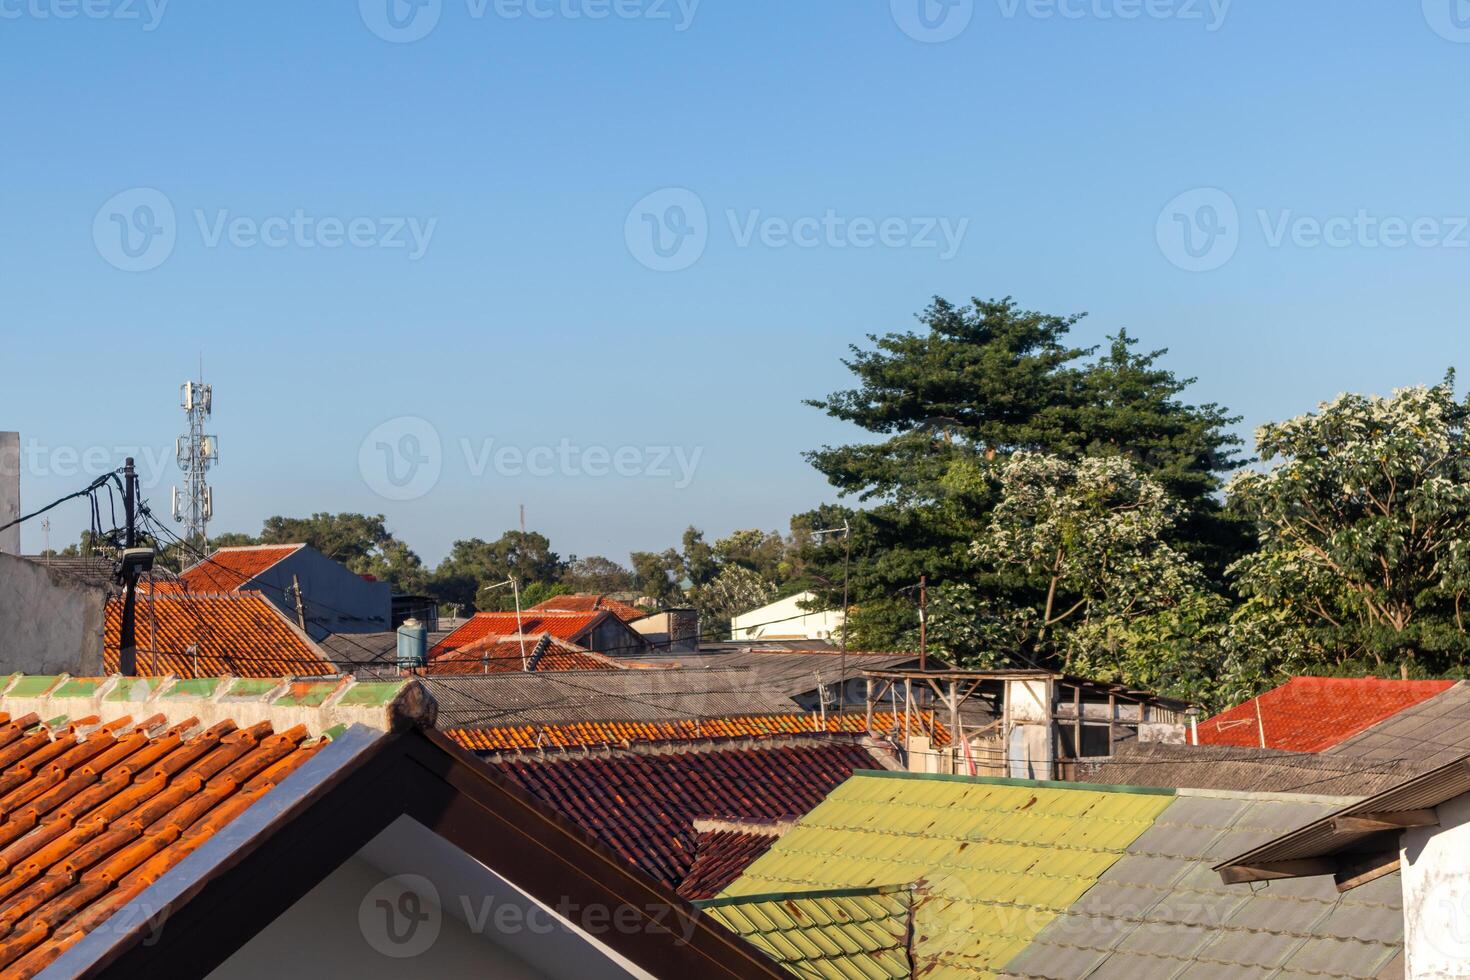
92,817
229,569
579,734
584,603
240,634
568,627
502,654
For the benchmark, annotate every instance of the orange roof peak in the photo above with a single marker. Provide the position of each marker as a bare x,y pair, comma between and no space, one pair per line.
1312,714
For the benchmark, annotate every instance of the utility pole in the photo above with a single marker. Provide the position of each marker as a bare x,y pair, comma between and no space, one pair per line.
923,622
300,604
127,663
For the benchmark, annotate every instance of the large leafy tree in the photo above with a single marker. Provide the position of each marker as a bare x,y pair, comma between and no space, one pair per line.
474,563
362,542
976,384
597,574
1364,524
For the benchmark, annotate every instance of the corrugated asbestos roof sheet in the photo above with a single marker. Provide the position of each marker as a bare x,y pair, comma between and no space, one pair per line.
860,933
1310,714
996,860
1229,767
790,672
1160,911
1426,735
1063,881
520,699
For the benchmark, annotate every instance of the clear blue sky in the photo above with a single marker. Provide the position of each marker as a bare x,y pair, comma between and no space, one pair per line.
529,319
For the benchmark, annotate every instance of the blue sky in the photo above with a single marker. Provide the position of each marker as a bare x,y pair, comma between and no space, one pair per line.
1067,147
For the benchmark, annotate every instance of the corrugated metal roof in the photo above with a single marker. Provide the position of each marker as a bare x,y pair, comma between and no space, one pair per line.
791,672
996,860
855,934
1160,911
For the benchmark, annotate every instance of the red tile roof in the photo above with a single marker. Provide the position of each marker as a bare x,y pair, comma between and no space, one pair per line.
499,654
584,603
240,634
1311,714
91,818
231,568
579,734
568,627
719,858
644,806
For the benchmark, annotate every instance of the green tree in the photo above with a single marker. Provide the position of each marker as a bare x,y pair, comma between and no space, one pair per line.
1364,524
657,574
361,542
474,563
975,385
597,574
735,590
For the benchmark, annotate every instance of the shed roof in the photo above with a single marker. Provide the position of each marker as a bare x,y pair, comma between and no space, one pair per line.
1232,767
1065,880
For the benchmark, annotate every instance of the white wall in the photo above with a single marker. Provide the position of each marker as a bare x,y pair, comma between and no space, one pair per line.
1435,871
785,618
48,623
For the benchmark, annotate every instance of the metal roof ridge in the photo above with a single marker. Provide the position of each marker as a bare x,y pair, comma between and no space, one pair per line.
1009,781
1269,796
856,892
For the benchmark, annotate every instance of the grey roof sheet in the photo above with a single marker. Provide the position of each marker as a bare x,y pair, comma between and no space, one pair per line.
790,671
562,697
1160,911
1426,735
1226,767
368,650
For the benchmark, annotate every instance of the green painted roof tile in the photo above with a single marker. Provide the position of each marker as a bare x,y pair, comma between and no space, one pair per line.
32,686
372,694
78,687
194,689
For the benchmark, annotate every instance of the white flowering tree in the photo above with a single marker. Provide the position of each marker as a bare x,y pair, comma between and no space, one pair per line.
1088,538
1364,524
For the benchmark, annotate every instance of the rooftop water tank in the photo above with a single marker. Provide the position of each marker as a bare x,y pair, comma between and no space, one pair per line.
413,645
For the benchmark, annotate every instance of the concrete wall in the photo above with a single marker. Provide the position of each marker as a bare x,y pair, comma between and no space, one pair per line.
615,638
49,623
1435,871
10,491
785,618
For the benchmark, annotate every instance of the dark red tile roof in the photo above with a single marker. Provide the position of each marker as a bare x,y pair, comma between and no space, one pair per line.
1311,714
569,627
584,603
90,817
231,568
719,858
238,633
643,806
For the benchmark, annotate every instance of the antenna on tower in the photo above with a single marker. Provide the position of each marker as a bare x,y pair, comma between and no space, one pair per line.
193,505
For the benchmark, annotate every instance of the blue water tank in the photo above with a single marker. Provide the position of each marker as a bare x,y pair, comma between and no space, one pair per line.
413,644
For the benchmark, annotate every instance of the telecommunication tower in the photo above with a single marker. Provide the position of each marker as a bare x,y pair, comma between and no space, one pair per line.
193,505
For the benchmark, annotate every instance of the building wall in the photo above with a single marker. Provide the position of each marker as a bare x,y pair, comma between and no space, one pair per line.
785,618
48,623
337,600
615,638
10,491
1435,871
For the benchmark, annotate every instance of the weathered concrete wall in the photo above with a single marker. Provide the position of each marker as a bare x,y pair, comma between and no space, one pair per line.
1435,871
9,491
337,600
49,623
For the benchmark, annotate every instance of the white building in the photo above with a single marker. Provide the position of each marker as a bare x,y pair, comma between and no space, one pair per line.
785,619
